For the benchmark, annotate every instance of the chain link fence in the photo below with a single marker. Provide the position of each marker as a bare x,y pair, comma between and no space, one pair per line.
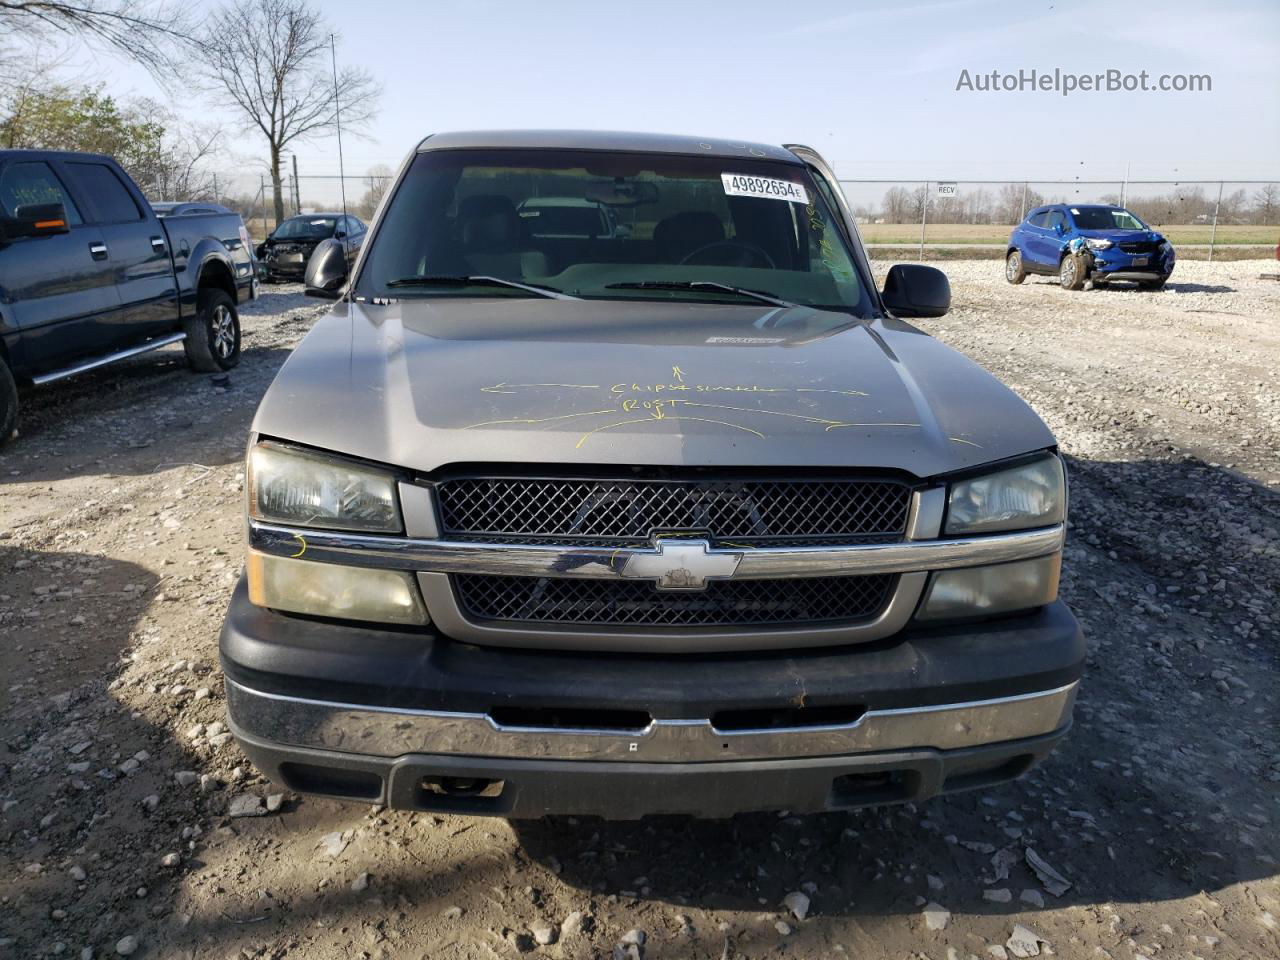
926,219
1232,219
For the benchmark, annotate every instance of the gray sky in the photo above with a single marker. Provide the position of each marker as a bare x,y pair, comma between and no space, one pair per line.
872,85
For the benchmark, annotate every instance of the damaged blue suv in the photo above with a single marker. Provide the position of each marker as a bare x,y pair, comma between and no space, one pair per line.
1088,242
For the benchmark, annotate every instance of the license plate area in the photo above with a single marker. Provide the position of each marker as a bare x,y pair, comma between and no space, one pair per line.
1140,261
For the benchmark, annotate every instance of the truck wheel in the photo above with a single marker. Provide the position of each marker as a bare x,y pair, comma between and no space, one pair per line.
1071,273
1014,271
8,404
213,334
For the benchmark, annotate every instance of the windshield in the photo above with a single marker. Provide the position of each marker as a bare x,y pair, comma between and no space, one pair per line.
306,228
1106,218
615,226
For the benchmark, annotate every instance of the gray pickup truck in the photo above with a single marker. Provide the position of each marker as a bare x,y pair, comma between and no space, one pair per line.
89,274
680,517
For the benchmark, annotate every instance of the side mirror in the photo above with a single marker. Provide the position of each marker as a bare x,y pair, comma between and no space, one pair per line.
35,220
326,271
1059,229
339,234
914,290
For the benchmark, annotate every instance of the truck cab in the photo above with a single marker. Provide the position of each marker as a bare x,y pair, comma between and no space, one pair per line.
90,275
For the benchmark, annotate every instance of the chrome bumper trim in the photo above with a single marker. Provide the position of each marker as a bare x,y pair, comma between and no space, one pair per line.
386,732
534,560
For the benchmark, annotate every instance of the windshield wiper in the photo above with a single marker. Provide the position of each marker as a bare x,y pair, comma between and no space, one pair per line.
478,281
763,296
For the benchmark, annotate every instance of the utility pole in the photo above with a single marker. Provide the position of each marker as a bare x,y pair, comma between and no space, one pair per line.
337,120
924,214
1213,233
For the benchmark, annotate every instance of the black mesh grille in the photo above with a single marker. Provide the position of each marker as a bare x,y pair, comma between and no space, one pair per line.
623,512
1140,246
635,603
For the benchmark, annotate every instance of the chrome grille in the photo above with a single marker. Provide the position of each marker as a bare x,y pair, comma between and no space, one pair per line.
627,512
632,603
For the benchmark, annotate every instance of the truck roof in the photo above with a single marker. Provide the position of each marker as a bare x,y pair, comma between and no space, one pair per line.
24,153
604,140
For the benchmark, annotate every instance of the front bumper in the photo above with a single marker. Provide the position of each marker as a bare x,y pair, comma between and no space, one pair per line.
416,720
281,268
1116,264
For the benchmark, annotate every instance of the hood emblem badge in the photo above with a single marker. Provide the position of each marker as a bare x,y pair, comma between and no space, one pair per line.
682,564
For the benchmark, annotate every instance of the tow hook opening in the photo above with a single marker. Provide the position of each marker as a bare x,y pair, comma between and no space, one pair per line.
462,786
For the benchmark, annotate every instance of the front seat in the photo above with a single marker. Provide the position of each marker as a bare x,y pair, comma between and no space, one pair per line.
681,234
490,234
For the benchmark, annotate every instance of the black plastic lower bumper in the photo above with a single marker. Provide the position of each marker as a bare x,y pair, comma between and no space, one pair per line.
526,789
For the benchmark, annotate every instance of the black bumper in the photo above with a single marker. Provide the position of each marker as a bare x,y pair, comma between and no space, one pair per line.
285,658
527,789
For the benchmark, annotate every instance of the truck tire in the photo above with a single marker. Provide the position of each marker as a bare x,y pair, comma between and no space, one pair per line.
1072,273
213,334
1014,271
8,404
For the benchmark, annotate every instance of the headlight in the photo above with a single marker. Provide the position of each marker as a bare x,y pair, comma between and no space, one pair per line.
287,485
982,591
1031,495
1099,244
331,590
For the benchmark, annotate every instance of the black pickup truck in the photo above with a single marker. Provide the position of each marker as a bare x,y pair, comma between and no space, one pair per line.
89,275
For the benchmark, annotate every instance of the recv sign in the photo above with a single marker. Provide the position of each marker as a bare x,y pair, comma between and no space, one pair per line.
946,189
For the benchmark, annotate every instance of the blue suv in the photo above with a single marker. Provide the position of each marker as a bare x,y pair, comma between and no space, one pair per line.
1088,242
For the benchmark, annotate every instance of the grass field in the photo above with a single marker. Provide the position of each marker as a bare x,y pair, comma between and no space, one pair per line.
957,233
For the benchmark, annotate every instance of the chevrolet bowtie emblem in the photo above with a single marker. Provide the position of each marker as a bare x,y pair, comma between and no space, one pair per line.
682,564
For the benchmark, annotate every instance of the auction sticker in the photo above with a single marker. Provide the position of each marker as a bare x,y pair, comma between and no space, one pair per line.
745,185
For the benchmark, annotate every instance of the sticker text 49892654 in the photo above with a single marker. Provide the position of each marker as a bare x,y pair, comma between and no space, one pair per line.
744,185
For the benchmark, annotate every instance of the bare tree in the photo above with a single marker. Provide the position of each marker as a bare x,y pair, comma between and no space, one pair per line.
1266,201
376,181
181,165
272,58
145,31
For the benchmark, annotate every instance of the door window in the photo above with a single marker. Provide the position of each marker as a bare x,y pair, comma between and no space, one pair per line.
1040,219
109,197
33,181
1056,219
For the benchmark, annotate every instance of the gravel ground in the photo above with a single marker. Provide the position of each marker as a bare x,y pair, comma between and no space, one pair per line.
131,825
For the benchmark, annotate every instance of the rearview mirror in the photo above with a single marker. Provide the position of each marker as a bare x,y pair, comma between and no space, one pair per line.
914,290
622,193
326,271
35,220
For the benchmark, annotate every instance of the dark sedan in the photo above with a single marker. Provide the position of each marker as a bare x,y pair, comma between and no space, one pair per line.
284,254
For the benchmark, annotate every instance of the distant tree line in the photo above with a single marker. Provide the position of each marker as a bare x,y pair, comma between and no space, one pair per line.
1008,203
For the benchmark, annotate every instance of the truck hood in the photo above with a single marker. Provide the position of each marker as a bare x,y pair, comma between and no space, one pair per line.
424,383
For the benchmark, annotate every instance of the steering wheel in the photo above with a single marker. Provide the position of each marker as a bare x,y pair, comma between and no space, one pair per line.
746,254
